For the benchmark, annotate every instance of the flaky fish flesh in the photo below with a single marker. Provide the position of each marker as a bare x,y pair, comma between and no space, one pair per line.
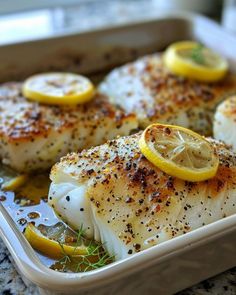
225,122
147,88
34,136
127,203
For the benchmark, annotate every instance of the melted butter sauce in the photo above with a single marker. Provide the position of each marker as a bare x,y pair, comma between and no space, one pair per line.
33,191
29,203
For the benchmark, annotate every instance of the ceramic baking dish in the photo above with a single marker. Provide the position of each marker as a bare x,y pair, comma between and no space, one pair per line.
165,268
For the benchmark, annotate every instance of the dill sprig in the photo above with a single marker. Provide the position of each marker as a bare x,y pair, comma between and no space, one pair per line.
197,54
65,259
80,233
96,256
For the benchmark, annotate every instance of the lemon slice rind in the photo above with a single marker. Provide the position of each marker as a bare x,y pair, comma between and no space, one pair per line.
188,68
14,183
77,94
172,168
48,247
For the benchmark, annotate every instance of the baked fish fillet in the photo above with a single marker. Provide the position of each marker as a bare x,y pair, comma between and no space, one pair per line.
121,199
225,122
147,88
35,136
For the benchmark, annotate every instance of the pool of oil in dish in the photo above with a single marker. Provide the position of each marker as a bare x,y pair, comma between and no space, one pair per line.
28,203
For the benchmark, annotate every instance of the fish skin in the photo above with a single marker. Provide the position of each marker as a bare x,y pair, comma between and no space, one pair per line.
148,89
34,136
129,204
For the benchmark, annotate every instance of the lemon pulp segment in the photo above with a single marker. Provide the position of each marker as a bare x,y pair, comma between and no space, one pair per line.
50,247
58,88
192,60
179,152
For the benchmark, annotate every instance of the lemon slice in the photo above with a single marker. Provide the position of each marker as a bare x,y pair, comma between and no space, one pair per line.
14,183
179,152
50,247
192,60
58,88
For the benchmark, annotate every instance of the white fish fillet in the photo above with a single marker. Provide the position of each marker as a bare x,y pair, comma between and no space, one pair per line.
34,136
147,88
225,122
124,201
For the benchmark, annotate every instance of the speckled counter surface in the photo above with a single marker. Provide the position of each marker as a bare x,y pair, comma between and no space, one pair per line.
94,16
11,283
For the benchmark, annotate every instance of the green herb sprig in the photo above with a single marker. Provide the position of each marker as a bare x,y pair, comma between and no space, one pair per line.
96,256
197,55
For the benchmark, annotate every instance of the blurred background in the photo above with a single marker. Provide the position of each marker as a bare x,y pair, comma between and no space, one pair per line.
32,19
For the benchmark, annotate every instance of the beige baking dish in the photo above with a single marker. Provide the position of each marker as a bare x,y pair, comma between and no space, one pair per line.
163,269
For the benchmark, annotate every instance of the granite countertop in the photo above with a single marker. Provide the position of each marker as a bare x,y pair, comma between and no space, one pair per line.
117,12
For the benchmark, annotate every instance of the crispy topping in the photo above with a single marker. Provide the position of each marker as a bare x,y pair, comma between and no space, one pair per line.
147,88
21,119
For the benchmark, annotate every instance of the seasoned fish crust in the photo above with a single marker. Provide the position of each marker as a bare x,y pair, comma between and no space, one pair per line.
35,136
147,88
129,204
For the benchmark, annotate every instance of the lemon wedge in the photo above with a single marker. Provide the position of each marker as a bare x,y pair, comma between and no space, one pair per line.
179,152
50,247
14,183
192,60
58,88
